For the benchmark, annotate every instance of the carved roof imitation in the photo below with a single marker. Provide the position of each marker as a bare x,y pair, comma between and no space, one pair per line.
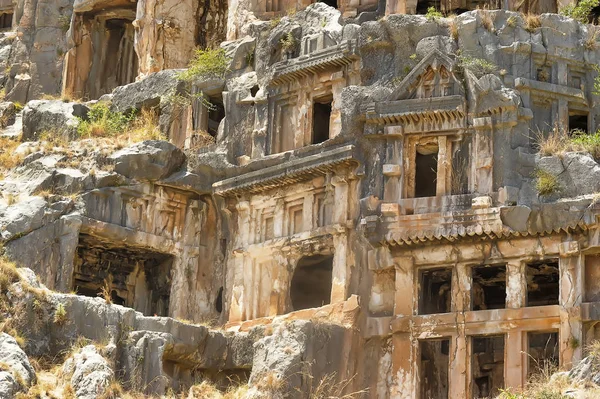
431,77
333,56
290,172
429,92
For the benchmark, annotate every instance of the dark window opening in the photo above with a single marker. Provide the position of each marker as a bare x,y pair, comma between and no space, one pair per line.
6,21
219,301
254,90
216,113
542,283
542,352
434,368
426,172
331,3
321,119
489,287
423,5
133,277
578,123
435,294
311,283
594,15
488,366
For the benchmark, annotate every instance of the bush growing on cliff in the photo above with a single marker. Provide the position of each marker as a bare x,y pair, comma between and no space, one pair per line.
103,122
546,183
206,64
580,11
477,66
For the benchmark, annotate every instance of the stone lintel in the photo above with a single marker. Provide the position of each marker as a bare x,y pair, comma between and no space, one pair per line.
119,235
480,322
334,56
290,172
551,90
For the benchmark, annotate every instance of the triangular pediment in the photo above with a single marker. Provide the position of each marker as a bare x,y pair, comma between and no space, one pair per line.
432,77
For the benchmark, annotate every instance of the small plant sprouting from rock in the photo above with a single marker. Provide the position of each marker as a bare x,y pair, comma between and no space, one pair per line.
580,11
532,22
103,122
546,183
288,42
477,66
433,14
206,64
60,315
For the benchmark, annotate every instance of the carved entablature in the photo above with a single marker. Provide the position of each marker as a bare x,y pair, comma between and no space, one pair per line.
157,210
318,53
430,98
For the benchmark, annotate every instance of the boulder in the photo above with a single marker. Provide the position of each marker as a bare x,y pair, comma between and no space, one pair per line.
15,361
148,92
54,116
90,373
7,114
148,160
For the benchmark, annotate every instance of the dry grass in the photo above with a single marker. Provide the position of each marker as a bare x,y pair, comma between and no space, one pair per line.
546,183
487,21
328,387
591,41
145,127
200,139
453,29
8,158
106,291
8,274
532,22
60,315
558,141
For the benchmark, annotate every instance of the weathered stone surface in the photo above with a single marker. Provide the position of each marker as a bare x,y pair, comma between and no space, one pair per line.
54,117
148,92
90,373
13,357
148,160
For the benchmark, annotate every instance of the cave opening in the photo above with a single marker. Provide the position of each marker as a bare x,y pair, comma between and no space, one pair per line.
489,287
542,283
434,366
487,366
435,291
311,283
321,119
542,352
133,277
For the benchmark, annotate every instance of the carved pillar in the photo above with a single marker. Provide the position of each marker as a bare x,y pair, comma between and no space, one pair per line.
341,269
443,167
516,285
405,301
516,359
392,170
340,210
459,354
571,265
308,223
404,366
279,218
461,289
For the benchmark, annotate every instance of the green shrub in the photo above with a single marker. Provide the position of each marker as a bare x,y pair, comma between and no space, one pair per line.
102,122
60,314
477,66
206,64
582,141
581,11
546,183
433,14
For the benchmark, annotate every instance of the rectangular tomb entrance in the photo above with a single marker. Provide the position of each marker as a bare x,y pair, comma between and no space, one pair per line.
133,277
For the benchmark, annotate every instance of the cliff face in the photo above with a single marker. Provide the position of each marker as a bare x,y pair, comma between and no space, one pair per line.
339,201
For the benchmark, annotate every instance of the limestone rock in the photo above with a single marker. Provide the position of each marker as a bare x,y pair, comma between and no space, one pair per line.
22,217
7,114
90,373
148,160
148,92
55,116
16,360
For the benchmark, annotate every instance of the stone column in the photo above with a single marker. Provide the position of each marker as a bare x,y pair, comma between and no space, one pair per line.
516,285
443,166
340,209
404,367
516,359
459,354
341,270
571,265
461,289
405,301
